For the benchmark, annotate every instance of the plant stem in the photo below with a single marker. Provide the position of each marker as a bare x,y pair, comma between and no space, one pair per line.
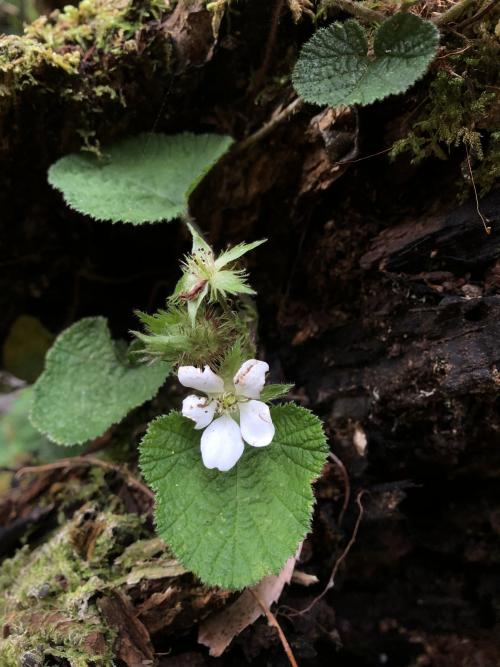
188,219
339,560
266,129
271,619
347,486
271,41
357,9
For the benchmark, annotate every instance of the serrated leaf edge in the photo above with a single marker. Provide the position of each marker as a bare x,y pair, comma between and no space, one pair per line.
32,418
154,220
364,102
232,584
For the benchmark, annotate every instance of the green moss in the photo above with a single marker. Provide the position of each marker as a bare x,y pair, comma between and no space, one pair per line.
50,568
142,550
13,649
487,171
21,56
47,595
117,533
461,109
75,491
83,55
106,25
10,572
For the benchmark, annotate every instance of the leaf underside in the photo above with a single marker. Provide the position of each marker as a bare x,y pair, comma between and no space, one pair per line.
89,385
147,178
334,67
234,528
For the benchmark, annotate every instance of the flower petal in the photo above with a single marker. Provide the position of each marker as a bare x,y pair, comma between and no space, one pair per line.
221,444
199,409
256,425
250,379
203,380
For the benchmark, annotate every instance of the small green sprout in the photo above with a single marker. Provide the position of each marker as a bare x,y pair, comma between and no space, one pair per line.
205,275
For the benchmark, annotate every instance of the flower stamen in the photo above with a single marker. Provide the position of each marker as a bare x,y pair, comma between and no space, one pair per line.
222,440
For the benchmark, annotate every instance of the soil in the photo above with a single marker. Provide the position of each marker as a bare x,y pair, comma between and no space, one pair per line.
378,295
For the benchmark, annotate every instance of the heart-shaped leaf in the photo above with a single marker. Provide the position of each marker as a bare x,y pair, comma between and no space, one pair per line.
146,178
334,67
88,384
236,527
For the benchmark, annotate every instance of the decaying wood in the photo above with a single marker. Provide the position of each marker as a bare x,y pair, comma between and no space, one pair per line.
379,296
133,644
411,354
455,240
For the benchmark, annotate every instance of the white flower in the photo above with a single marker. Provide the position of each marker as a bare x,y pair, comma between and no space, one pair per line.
222,440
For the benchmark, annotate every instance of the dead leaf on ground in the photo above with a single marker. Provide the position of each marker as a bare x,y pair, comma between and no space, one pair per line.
219,630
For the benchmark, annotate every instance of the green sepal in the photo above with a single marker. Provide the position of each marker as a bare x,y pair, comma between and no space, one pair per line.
273,391
170,336
200,246
234,253
226,281
238,353
205,276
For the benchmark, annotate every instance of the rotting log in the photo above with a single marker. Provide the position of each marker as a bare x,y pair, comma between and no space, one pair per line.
378,295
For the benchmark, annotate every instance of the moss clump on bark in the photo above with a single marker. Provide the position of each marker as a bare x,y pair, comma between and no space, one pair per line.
47,595
90,59
462,109
75,37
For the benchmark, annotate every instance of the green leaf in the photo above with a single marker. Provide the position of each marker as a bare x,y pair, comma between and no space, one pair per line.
273,391
88,384
236,527
146,178
334,67
18,438
25,347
